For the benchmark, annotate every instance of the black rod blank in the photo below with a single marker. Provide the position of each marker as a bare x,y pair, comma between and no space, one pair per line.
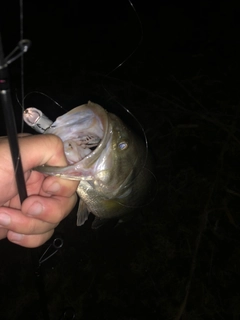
6,103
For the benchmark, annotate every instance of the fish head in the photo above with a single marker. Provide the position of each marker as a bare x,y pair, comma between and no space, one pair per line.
99,148
106,157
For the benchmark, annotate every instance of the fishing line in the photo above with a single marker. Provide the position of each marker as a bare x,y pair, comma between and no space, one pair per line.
44,95
132,115
9,117
22,61
142,168
17,52
134,50
23,46
120,65
47,96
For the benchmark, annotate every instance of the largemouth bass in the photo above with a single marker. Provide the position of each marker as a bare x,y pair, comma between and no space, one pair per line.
111,163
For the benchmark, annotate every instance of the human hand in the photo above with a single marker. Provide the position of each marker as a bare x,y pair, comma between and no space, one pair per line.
50,199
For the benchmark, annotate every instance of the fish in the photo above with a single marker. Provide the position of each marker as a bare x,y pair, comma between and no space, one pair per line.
112,164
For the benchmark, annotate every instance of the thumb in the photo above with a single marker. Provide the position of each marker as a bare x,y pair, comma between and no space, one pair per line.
37,150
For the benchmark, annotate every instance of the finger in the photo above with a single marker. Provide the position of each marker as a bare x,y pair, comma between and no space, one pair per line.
29,241
46,149
14,220
22,135
48,209
59,187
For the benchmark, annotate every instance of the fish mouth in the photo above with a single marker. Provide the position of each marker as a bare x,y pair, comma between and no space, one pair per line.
77,149
89,134
84,132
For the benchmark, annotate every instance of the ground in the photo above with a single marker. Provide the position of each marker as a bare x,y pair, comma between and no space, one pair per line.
179,257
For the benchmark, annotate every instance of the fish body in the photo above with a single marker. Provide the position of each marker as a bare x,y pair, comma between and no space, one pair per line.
111,163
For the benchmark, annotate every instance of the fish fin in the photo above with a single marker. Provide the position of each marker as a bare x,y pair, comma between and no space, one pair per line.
97,222
82,214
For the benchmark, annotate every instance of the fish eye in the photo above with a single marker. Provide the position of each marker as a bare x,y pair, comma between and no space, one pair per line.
122,145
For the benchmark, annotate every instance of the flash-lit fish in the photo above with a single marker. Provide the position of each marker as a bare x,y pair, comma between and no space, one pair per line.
110,162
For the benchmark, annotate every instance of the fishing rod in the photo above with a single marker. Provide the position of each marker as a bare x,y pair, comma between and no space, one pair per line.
6,103
10,123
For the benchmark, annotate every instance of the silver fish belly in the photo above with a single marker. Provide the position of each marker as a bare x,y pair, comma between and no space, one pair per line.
111,163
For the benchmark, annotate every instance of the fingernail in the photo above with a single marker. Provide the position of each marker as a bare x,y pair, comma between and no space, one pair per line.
4,219
16,237
35,209
55,187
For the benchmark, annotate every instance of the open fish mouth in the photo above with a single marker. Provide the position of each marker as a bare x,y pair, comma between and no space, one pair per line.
51,107
91,134
77,149
80,134
110,162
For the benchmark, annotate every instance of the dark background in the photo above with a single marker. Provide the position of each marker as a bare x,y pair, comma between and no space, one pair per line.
182,83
